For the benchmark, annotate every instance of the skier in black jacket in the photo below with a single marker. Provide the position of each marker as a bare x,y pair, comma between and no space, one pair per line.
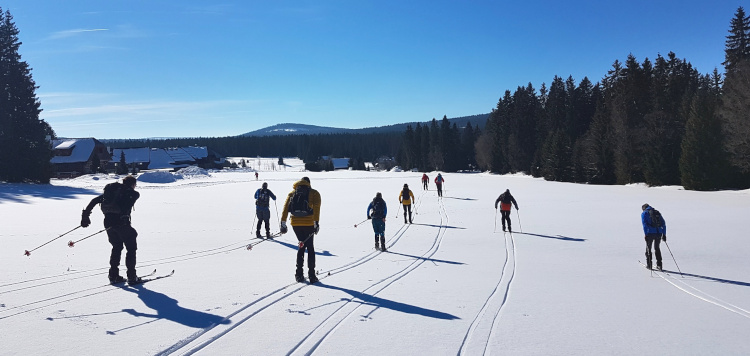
505,200
116,203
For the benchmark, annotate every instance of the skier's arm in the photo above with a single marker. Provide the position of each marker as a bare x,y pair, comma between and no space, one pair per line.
315,204
93,203
369,207
256,194
385,209
411,195
644,216
497,201
285,211
514,202
271,194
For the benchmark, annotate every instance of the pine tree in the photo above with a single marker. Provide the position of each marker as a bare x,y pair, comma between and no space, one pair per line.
701,163
122,165
25,151
737,45
735,117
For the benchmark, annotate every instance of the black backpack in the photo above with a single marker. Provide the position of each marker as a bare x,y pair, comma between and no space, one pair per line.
299,205
405,194
656,218
378,208
262,198
111,198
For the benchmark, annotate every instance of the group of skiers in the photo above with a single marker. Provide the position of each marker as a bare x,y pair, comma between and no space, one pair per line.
303,204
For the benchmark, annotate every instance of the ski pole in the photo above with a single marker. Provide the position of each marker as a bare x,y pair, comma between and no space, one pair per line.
519,220
28,252
495,229
361,222
675,261
72,243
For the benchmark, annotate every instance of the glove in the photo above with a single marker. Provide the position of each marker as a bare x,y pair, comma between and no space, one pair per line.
369,217
85,221
664,238
283,228
317,227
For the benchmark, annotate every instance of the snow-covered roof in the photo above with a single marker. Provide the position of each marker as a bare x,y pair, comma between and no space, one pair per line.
81,150
164,158
132,155
196,152
179,155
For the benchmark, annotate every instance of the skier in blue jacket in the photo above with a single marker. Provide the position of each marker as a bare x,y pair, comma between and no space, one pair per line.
655,230
377,211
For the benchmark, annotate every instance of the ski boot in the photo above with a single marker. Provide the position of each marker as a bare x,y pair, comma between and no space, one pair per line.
134,280
299,278
116,279
503,228
658,266
268,234
258,235
313,278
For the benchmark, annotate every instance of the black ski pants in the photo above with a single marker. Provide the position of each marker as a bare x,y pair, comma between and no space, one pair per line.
439,189
653,239
306,235
407,208
425,184
505,216
121,235
264,216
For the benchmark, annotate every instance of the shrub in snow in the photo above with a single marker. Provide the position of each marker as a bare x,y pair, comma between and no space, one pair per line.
158,177
193,172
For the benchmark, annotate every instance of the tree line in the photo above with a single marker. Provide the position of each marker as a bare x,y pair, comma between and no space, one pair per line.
660,122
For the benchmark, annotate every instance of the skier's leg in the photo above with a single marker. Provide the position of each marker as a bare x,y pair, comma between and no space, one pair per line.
657,250
114,257
129,236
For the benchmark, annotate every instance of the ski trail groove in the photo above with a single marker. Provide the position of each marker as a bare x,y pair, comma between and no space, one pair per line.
479,333
702,295
331,323
205,337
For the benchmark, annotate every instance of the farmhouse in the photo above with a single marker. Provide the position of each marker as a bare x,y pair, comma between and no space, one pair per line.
73,157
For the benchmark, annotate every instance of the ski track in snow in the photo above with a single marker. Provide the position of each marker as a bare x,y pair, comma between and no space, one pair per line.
204,338
477,338
697,293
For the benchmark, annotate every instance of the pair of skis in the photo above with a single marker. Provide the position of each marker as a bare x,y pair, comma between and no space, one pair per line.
148,278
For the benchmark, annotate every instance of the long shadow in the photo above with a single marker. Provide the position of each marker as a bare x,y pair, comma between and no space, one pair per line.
296,247
558,237
458,198
19,193
713,279
168,308
367,299
443,226
425,259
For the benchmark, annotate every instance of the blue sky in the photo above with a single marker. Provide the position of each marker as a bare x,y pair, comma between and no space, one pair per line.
135,69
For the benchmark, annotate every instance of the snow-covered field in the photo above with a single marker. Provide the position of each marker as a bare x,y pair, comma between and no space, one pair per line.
451,283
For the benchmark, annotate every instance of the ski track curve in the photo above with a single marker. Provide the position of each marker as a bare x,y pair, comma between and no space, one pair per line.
205,337
477,338
701,295
330,324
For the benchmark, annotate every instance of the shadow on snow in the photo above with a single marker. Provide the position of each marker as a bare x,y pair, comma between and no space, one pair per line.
367,299
713,279
169,309
558,237
296,247
19,193
441,226
425,259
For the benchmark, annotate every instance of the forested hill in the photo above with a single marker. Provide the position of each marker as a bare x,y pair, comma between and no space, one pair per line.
301,129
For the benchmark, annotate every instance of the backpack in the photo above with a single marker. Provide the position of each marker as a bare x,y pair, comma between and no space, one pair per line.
405,194
262,198
656,218
505,198
299,205
111,198
378,208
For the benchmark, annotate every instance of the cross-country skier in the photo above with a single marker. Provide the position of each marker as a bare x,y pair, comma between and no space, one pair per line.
655,229
377,211
116,203
303,203
262,208
439,183
505,200
425,181
405,198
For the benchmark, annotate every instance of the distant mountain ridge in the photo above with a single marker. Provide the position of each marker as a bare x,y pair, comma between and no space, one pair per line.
302,129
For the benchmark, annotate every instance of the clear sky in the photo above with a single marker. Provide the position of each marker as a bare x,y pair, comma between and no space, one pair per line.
184,68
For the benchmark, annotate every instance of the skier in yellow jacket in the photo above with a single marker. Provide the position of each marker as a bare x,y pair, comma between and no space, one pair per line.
303,203
405,198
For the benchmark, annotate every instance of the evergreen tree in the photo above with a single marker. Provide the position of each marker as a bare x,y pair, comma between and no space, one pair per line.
735,117
122,165
24,150
737,45
701,163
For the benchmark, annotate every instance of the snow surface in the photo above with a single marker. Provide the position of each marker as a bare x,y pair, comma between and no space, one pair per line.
570,284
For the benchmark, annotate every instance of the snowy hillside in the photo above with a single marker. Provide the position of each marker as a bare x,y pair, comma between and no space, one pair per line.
451,282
